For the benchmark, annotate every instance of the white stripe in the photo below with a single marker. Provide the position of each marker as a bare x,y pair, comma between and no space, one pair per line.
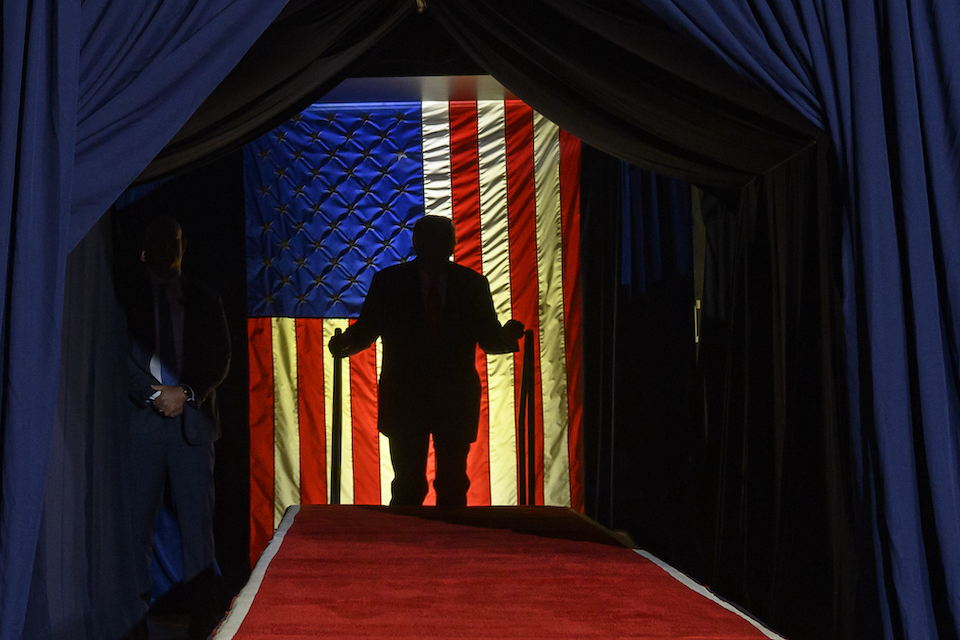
553,369
346,440
437,185
286,429
688,582
386,464
495,253
244,600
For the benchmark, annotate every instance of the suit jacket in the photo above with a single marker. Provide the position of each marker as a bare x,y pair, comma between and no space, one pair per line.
428,378
206,358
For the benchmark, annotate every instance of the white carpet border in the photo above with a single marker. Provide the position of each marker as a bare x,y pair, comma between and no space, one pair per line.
241,604
688,582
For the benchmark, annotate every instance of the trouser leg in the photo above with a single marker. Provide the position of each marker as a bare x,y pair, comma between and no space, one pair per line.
191,489
149,459
451,482
409,456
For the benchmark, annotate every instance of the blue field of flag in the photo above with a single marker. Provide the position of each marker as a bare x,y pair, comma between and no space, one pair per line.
331,198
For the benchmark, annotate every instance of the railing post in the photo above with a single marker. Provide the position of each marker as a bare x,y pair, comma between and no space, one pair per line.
526,429
336,436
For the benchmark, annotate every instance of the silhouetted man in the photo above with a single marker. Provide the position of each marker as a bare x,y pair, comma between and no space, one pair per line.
431,314
179,354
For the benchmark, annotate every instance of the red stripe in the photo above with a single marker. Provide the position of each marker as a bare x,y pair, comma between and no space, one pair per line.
260,349
465,177
570,231
313,438
524,282
366,438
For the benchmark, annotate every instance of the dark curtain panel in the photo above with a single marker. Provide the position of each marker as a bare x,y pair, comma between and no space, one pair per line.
89,93
777,481
83,584
881,78
729,461
642,404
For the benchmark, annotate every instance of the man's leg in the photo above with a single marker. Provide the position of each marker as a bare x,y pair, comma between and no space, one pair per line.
191,489
149,460
451,482
409,456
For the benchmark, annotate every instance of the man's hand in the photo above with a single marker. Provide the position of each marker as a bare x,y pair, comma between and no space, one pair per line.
169,403
513,329
338,346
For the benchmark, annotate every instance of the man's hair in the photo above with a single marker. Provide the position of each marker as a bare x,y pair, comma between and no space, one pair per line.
434,228
159,224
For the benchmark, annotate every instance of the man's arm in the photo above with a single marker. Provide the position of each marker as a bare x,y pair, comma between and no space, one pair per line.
494,338
367,328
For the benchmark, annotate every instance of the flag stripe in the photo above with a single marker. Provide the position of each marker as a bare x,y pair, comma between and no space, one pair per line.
366,438
435,118
546,149
570,210
495,252
523,249
465,166
310,350
346,452
386,464
260,349
286,422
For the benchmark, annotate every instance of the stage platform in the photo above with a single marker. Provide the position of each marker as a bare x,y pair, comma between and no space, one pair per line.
479,572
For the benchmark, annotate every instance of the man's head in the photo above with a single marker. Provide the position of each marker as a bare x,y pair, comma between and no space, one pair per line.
434,239
163,246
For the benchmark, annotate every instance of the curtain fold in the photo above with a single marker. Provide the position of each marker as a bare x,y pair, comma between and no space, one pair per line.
89,93
882,79
298,58
620,93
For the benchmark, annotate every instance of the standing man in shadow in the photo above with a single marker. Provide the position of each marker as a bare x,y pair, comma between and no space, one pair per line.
431,314
179,355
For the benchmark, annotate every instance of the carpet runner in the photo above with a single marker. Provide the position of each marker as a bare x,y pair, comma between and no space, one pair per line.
479,572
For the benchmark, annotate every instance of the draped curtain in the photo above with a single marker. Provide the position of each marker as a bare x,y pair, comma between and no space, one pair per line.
90,93
882,79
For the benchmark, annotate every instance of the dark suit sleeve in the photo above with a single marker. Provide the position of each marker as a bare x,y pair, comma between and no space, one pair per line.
369,325
490,338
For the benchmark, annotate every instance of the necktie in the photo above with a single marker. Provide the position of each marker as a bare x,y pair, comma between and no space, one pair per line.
434,305
168,354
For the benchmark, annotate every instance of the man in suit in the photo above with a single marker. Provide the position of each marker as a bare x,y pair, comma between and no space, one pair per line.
431,314
179,354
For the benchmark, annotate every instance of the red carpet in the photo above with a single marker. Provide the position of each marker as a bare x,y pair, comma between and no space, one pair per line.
483,572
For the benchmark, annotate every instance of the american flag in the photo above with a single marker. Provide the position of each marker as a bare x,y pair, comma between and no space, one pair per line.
331,197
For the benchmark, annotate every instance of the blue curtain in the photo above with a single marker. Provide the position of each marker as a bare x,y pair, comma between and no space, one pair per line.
90,93
883,80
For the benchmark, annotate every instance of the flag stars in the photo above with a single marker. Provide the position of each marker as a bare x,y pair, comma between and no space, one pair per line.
280,172
285,280
263,154
266,226
282,208
299,191
264,189
267,262
301,262
283,245
302,298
